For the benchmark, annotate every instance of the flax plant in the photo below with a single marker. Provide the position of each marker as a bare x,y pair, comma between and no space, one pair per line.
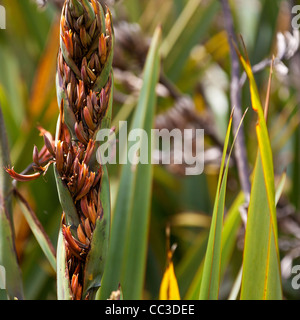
84,91
234,233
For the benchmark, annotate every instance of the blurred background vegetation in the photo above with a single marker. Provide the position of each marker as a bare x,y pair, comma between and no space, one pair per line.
196,65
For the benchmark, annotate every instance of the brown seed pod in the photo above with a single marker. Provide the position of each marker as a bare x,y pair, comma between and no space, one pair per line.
35,156
81,235
81,135
59,157
88,119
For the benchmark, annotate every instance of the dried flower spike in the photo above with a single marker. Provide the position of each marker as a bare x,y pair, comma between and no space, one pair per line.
84,90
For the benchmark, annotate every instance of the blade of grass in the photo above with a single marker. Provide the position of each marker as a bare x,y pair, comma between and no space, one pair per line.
62,279
8,256
37,229
231,226
261,270
230,230
261,266
280,187
189,264
211,272
286,134
127,252
237,284
134,9
178,43
264,144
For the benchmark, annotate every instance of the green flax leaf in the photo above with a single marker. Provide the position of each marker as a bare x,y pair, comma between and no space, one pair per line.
190,27
38,230
261,266
211,271
261,270
8,256
62,276
231,226
66,200
128,246
212,266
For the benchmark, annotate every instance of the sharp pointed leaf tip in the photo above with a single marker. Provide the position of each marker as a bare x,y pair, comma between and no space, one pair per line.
245,49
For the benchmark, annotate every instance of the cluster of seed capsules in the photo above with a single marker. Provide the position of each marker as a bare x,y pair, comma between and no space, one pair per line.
84,87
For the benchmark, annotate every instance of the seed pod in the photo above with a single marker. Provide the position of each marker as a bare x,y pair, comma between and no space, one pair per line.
84,206
91,74
81,235
86,187
89,105
80,94
93,29
81,135
81,176
87,228
70,241
88,119
35,156
68,163
74,283
89,151
48,145
80,22
92,213
85,38
60,62
67,38
70,92
84,75
102,48
78,292
59,156
98,177
75,8
68,18
108,24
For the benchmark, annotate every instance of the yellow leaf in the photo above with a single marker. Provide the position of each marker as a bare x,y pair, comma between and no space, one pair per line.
169,287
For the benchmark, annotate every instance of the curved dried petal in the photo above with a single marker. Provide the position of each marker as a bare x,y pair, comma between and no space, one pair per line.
22,177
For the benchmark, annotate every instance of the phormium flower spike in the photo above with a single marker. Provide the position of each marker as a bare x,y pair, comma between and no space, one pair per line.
84,82
84,93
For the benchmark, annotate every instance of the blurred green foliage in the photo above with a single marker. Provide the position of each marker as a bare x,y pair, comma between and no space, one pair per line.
196,60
